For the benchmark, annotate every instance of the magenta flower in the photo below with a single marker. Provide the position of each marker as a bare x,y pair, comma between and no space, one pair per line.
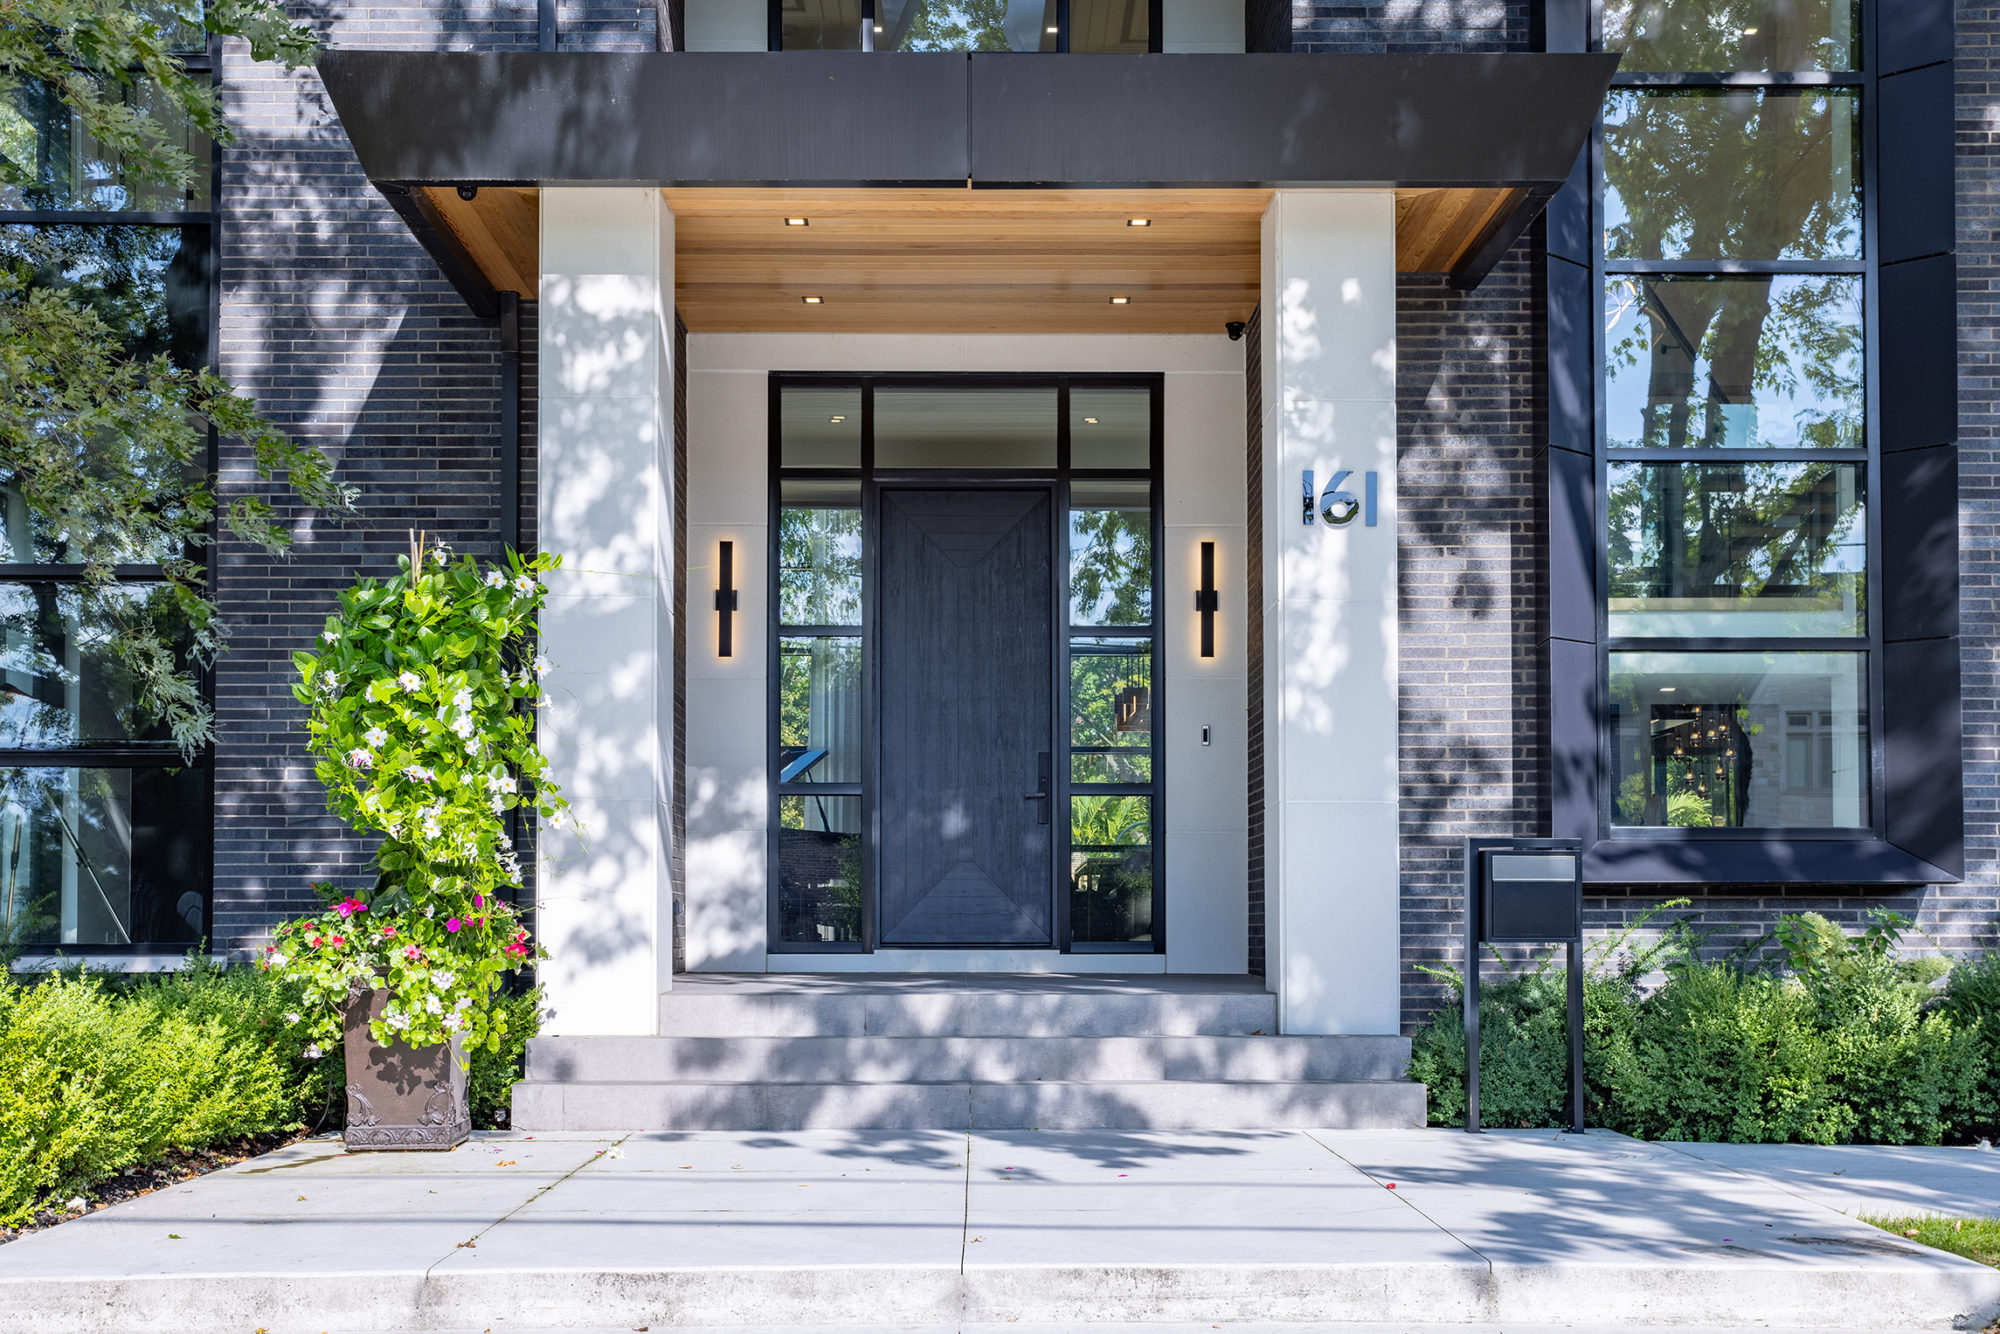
479,900
452,924
349,906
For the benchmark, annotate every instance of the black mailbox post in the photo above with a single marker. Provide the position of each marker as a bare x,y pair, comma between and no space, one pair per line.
1523,891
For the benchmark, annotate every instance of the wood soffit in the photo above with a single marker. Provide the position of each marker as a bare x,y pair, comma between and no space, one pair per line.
964,261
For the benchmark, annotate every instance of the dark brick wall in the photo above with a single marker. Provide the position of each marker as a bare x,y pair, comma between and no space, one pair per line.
1410,25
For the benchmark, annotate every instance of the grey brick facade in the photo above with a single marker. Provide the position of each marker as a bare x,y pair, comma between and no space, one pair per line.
342,327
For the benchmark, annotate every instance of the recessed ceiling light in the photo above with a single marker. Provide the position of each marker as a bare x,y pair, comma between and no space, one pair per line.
836,420
1121,300
1050,31
1668,690
1749,32
798,222
1090,421
1138,222
813,300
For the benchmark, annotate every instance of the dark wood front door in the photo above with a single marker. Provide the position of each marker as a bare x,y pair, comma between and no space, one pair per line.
966,699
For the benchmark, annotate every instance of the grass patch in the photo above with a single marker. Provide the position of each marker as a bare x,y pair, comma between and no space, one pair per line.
1974,1238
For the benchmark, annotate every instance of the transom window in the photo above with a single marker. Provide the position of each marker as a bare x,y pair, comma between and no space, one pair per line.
1102,26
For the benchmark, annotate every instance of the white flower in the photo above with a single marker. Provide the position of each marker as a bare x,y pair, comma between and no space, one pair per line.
432,1005
330,636
279,961
558,819
375,736
462,697
417,773
312,1052
472,745
523,585
541,665
359,758
452,1023
443,978
494,578
431,829
292,1017
329,680
409,681
463,725
500,783
499,805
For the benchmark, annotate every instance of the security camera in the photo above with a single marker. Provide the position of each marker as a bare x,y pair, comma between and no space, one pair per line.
468,193
1236,328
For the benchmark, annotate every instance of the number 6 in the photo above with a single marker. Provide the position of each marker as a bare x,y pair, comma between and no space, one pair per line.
1333,495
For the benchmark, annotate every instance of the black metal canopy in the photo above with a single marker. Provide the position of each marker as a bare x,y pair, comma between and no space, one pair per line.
952,119
1002,120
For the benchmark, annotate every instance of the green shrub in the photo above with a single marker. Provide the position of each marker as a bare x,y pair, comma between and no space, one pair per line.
96,1078
1845,1042
490,1081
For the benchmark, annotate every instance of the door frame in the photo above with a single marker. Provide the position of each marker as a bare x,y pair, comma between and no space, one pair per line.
1058,479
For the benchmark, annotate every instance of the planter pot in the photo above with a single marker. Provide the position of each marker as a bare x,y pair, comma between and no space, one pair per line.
401,1097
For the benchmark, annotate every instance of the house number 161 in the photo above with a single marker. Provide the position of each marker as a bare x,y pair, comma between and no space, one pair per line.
1338,506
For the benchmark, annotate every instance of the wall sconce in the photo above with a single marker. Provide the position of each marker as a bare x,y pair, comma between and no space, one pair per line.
725,601
1206,599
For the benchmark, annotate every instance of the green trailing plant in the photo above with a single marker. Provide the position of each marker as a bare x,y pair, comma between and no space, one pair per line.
419,707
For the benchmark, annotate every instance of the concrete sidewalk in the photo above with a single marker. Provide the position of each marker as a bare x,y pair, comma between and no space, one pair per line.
940,1229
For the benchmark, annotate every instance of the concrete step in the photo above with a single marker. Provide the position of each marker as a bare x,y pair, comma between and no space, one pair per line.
963,1005
543,1105
999,1060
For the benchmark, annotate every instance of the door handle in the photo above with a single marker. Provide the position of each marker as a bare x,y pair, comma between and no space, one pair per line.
1043,775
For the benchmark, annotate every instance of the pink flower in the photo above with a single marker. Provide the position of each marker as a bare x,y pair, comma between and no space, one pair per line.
312,940
517,948
479,900
340,940
452,924
411,951
388,933
349,906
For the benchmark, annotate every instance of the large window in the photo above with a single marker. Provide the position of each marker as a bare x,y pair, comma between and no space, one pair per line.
1736,464
1095,441
104,824
1100,26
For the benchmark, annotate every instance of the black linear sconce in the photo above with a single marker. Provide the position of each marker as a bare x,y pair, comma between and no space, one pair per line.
1206,599
725,602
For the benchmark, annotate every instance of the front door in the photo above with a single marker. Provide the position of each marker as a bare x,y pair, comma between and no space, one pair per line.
966,699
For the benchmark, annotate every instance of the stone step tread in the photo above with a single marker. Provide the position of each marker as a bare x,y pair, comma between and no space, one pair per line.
955,1058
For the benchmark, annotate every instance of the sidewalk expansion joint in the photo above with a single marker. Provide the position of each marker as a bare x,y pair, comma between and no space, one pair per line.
537,1194
1403,1200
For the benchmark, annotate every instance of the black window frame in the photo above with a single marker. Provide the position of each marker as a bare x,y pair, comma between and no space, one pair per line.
868,479
1916,835
164,755
1155,19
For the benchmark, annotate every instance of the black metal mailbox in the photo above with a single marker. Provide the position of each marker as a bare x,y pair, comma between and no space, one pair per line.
1523,891
1530,897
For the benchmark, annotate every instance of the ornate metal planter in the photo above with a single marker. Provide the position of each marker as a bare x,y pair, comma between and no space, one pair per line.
398,1096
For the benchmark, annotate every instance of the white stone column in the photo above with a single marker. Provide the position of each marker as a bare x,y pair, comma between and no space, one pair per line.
1333,897
604,477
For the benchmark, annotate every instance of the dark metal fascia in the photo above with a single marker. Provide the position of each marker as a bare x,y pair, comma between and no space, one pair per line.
809,118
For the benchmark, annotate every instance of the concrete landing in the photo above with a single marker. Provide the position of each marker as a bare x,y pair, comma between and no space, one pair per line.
930,1229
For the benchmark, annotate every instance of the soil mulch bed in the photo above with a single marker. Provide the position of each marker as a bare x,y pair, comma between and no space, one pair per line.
176,1167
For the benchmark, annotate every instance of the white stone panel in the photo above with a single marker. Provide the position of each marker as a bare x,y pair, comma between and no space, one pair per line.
728,476
727,791
1333,893
1201,27
605,504
1206,787
726,915
1208,928
1202,442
